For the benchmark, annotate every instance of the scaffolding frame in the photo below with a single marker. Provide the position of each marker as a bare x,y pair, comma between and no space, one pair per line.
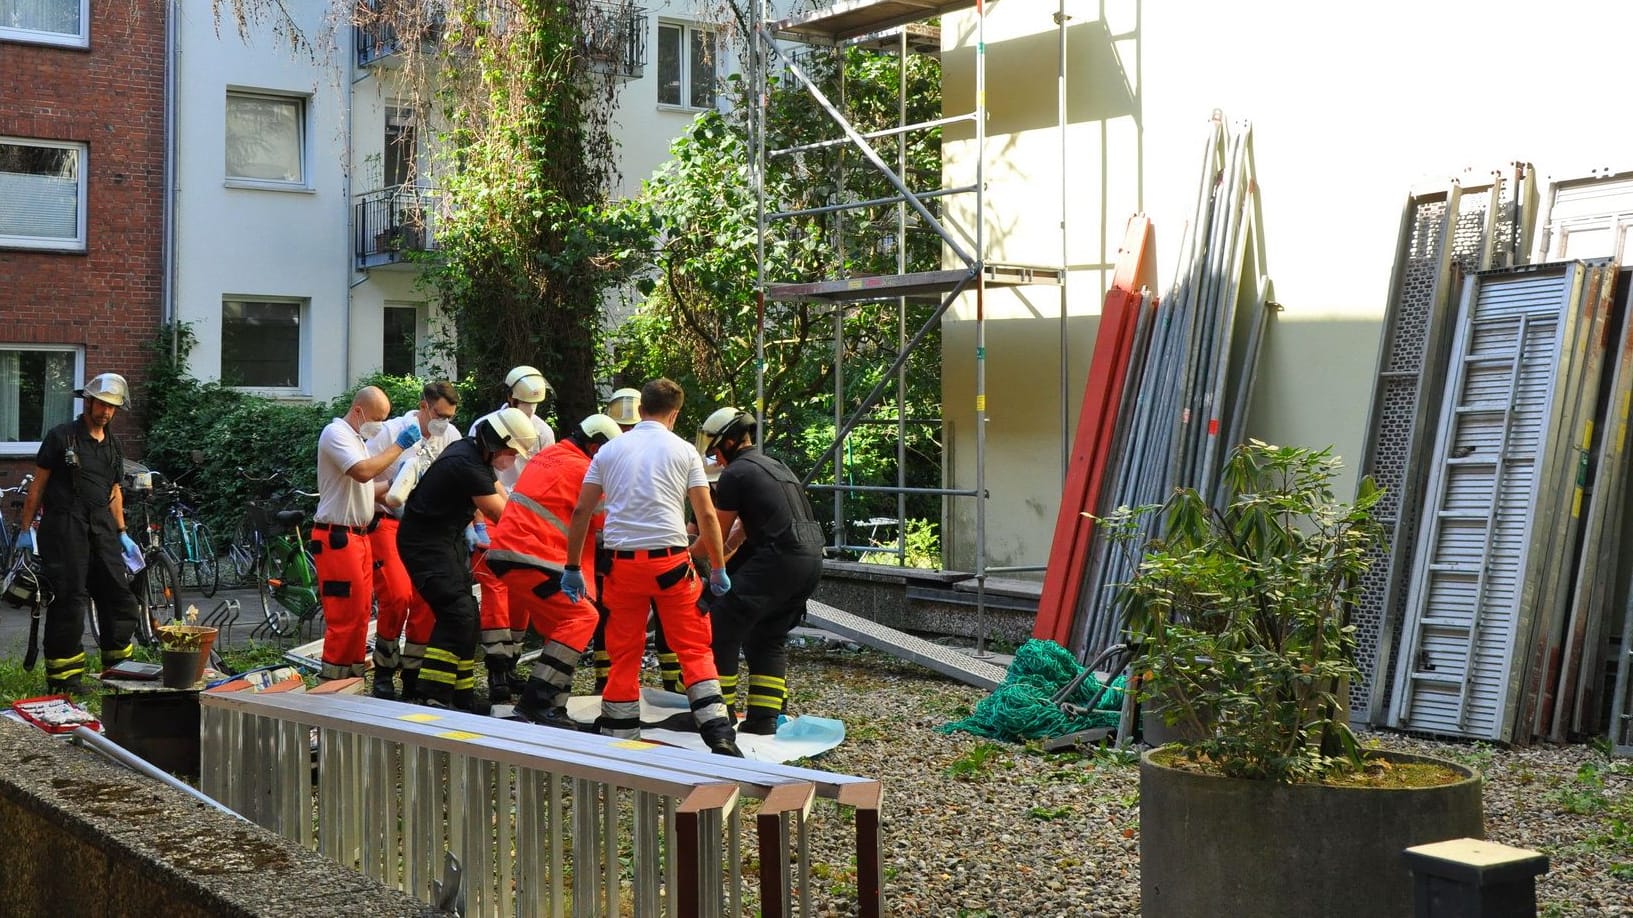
880,24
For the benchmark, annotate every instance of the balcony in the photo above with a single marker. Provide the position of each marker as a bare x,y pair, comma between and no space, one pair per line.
377,39
393,223
614,39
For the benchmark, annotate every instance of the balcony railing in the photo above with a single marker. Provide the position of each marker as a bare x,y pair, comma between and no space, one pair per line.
392,222
614,38
378,41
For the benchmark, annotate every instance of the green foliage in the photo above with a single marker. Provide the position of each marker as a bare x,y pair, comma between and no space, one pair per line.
975,764
698,322
1243,613
923,548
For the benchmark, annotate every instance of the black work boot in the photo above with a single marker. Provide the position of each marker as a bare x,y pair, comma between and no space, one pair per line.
383,686
498,687
759,726
411,685
720,738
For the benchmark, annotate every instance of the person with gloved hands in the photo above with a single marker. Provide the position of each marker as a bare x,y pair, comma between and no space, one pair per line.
340,533
647,476
81,535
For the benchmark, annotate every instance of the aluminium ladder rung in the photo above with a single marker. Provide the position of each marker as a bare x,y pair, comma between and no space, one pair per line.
1438,679
1505,356
1446,624
1481,515
1482,408
1456,570
1467,462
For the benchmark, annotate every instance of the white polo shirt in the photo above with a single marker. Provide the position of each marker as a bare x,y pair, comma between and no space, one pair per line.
508,477
341,500
429,447
646,474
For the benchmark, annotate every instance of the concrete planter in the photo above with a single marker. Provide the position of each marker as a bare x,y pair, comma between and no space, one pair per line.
1212,846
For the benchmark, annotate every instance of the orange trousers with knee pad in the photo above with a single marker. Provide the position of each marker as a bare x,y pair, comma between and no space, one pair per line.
346,587
535,596
397,606
634,587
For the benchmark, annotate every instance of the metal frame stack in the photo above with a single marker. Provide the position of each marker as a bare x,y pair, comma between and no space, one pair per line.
1496,533
1444,232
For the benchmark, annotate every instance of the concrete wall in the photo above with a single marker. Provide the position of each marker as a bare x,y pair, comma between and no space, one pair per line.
1352,107
85,838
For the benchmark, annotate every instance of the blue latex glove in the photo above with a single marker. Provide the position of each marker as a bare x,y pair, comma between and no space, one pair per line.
128,544
719,581
481,532
409,436
26,540
572,583
470,538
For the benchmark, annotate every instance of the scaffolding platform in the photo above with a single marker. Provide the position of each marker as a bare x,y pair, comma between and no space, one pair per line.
919,284
854,19
948,661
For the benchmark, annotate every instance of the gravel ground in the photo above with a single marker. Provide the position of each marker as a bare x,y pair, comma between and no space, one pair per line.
975,828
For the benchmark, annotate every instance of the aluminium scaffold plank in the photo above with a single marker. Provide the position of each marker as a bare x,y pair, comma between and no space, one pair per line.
945,660
849,19
913,285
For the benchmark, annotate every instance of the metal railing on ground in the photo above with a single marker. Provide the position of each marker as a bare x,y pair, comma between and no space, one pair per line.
536,817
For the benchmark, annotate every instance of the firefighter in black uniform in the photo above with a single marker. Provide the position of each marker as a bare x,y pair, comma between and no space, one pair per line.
433,544
81,535
773,573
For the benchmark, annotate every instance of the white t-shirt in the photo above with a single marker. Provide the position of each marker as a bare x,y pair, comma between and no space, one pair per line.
340,499
428,446
507,477
646,474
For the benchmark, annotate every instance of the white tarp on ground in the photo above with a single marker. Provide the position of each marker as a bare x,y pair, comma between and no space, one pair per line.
796,737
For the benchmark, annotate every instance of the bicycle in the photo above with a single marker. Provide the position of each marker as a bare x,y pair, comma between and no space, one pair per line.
158,585
14,496
187,538
271,545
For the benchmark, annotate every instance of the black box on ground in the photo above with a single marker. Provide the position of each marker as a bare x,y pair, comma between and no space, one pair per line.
160,726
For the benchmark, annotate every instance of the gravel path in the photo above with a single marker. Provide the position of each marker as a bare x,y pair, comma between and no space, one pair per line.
975,828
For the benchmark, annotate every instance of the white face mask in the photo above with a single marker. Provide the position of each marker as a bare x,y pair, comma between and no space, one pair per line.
369,428
436,427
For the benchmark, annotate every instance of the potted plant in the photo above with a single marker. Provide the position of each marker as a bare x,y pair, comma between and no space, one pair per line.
184,649
1269,805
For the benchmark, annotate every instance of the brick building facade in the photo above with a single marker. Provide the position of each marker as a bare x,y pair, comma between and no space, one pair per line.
81,281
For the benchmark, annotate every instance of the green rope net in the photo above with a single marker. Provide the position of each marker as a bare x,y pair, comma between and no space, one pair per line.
1020,708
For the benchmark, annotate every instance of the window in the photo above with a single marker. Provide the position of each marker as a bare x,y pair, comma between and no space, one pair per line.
42,194
401,144
266,138
401,340
261,344
49,22
686,66
36,394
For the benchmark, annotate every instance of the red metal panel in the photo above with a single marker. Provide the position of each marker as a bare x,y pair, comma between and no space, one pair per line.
1063,580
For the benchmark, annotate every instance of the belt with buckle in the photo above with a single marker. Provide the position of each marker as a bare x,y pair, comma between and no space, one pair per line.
629,553
354,530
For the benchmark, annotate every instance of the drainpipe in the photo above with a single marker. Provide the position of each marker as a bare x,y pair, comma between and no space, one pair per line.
167,278
349,65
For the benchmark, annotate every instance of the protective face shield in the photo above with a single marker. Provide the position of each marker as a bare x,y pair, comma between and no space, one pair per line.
725,422
625,407
507,429
527,386
599,428
108,388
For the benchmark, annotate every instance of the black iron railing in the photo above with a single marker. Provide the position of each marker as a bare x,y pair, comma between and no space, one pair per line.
393,222
614,38
378,38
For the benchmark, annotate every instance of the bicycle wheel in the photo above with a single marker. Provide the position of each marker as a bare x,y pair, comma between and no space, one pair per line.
158,597
244,552
175,545
287,587
209,570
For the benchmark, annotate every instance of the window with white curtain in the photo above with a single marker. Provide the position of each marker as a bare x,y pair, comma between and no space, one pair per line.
261,344
266,138
686,65
42,194
36,394
50,22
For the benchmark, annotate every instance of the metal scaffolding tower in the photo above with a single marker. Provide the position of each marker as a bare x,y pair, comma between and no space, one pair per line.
967,267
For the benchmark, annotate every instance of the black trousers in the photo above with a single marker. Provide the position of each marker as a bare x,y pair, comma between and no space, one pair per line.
80,558
441,573
766,600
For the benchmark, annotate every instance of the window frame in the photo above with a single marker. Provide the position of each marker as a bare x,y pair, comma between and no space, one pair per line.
303,344
687,30
18,449
303,144
418,311
58,39
82,215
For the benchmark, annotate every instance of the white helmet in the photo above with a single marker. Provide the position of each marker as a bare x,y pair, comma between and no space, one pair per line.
598,428
625,407
725,422
527,385
109,388
508,428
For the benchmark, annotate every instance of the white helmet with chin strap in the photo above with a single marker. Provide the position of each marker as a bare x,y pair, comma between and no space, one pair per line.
108,388
598,428
725,422
527,385
508,428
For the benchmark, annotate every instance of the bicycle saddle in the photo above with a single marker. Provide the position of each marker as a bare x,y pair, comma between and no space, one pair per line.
290,518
